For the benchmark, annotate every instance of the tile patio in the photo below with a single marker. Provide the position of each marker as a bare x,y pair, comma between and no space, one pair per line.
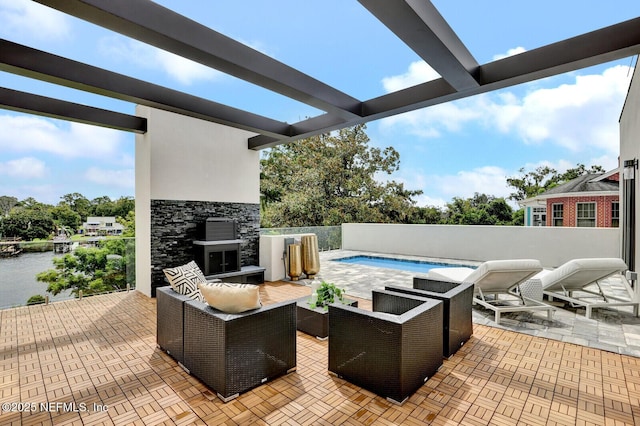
101,350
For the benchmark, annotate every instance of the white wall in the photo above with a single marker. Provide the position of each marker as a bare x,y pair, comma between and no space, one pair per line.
272,255
552,246
630,147
183,158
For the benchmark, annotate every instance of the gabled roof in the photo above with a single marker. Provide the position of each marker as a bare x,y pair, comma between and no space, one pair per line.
589,184
584,183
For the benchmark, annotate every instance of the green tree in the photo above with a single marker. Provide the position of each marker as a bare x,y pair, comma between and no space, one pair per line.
427,215
28,223
481,209
129,223
102,206
532,183
6,204
78,203
92,270
64,217
330,179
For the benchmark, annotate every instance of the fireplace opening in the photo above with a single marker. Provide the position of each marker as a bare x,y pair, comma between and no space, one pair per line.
218,250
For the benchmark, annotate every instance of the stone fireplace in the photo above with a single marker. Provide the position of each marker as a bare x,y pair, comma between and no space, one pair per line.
217,251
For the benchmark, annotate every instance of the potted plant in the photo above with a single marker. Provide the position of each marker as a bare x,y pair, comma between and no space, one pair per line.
325,294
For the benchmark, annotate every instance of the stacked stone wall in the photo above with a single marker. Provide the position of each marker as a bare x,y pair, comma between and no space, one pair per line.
173,230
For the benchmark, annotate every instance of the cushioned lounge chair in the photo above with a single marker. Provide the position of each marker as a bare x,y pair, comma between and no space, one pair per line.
501,285
577,282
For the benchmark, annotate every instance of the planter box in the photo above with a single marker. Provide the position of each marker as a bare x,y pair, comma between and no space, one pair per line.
315,321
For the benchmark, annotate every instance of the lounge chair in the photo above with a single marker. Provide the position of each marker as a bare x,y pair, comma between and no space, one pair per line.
584,276
501,285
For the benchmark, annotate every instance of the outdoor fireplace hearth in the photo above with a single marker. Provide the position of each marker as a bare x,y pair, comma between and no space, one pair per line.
218,249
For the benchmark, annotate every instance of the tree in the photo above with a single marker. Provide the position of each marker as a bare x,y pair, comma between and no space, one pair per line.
330,179
90,270
532,183
129,223
481,209
28,223
6,204
78,203
64,217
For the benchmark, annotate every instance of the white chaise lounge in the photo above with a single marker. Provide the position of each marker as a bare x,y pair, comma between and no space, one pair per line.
577,282
501,285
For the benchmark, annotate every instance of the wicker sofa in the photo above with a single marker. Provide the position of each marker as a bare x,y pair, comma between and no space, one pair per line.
387,354
457,299
230,353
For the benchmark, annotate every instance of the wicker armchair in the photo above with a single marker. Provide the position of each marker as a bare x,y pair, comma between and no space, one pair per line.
170,320
232,353
457,299
387,354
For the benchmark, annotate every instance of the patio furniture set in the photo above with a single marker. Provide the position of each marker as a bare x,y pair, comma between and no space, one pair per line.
391,350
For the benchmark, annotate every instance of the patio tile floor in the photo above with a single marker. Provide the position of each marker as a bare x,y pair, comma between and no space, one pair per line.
99,353
614,329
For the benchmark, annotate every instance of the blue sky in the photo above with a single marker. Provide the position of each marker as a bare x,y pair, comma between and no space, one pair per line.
450,150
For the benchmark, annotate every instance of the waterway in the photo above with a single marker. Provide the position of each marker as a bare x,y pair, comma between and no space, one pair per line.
18,279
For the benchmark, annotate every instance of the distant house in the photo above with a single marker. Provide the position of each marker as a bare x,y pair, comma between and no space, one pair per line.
105,225
591,200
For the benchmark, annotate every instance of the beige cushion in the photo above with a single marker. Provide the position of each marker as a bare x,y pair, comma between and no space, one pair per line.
185,279
231,298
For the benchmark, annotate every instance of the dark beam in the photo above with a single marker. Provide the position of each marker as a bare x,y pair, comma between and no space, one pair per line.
33,63
39,105
605,45
158,26
421,27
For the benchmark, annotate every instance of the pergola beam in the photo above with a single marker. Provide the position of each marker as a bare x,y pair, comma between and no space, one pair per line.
40,105
33,63
607,44
158,26
421,27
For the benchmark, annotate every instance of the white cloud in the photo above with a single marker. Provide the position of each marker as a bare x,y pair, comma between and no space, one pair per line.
419,72
27,18
576,116
432,122
75,140
178,68
24,168
510,52
487,180
113,178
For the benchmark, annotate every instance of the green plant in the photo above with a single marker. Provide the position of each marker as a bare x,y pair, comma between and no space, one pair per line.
325,294
36,300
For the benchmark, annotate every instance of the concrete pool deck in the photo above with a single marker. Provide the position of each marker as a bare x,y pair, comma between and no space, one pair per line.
615,329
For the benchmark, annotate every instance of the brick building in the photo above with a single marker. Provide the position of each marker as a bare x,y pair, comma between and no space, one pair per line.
591,200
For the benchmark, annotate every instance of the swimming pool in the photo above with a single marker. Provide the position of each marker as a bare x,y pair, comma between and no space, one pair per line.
399,264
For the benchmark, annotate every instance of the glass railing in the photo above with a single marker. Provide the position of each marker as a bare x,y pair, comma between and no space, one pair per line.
329,237
50,271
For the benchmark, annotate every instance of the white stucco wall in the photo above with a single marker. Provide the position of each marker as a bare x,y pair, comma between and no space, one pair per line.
552,246
183,158
630,146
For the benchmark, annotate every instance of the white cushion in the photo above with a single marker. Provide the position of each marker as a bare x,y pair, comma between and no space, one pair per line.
578,273
456,275
185,279
231,298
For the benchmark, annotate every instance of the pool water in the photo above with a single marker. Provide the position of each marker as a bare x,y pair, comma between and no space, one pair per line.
399,264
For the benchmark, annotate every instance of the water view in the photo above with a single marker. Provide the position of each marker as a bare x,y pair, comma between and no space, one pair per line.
18,278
